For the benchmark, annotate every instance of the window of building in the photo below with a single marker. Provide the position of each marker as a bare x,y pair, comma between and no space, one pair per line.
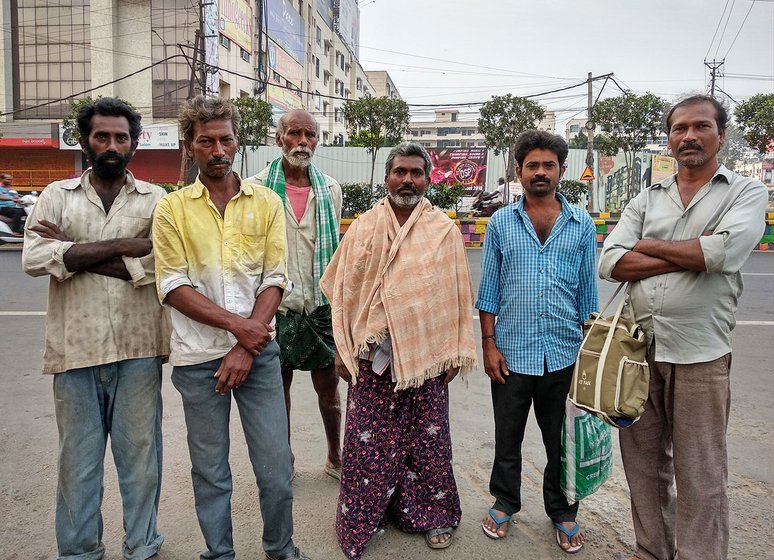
318,35
326,77
225,42
52,55
346,94
346,69
337,114
317,100
316,67
276,77
358,84
244,55
325,108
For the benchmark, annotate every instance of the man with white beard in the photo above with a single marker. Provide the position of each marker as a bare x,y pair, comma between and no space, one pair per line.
312,215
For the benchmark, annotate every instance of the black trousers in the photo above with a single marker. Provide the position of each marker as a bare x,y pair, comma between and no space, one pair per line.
16,213
511,403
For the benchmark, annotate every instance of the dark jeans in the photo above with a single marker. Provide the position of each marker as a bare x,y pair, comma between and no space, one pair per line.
16,214
511,403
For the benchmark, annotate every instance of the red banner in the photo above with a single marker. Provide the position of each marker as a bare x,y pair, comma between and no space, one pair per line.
29,142
459,165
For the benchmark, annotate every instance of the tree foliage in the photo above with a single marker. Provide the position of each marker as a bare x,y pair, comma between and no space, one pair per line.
573,190
70,123
376,122
756,118
445,197
254,125
628,121
580,141
502,119
734,148
359,197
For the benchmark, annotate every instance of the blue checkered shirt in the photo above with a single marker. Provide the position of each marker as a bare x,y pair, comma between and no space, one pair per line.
541,293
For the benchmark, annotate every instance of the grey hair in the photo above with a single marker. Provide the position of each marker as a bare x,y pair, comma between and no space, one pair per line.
203,109
407,149
281,122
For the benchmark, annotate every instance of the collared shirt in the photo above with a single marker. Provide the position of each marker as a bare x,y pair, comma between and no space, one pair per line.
94,319
691,314
229,259
541,293
5,191
301,237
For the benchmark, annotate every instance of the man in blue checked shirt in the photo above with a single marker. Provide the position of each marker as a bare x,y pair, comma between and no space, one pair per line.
539,281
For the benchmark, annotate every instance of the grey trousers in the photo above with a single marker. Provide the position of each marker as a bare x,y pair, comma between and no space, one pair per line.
676,462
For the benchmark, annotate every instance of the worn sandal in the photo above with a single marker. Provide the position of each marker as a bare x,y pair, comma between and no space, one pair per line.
436,533
570,534
499,520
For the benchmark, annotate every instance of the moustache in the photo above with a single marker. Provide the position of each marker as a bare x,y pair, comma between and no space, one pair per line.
301,150
409,186
690,146
539,179
218,161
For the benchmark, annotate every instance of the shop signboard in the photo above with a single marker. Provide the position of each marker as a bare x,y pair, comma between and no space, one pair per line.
459,165
236,22
152,137
284,64
286,28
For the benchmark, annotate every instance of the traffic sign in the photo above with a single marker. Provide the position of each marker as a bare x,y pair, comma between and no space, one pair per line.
587,175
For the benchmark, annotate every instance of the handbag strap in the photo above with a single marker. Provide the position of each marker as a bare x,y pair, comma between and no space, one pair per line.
606,348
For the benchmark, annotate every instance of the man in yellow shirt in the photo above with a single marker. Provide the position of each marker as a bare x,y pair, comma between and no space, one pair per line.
221,266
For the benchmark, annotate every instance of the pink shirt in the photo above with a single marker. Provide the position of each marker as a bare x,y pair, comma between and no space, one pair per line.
297,197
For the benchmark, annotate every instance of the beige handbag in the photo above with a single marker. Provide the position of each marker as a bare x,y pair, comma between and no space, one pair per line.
611,375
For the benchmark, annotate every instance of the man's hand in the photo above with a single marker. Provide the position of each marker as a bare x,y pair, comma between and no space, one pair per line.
253,335
341,369
49,230
451,373
233,369
136,247
494,362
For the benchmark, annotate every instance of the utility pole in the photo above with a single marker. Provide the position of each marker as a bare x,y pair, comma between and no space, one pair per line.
714,66
590,135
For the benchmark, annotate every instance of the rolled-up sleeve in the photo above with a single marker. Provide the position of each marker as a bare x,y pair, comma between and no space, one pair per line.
588,299
491,261
275,270
623,238
739,231
42,256
171,264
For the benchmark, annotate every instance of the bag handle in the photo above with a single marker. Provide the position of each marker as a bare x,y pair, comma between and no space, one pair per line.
606,347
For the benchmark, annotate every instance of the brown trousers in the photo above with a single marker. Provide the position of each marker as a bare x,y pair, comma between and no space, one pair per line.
676,462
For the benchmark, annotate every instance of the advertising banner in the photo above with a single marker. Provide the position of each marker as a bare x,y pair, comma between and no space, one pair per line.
286,28
236,22
152,137
283,99
347,23
284,64
661,168
325,9
614,180
459,165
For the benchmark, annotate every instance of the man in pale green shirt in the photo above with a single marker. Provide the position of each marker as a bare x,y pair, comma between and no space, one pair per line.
681,243
312,214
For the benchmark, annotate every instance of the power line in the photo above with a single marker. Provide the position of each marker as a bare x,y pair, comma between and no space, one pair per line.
728,18
717,27
740,29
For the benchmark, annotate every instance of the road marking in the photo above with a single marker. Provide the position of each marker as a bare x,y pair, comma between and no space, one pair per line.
21,313
757,273
756,323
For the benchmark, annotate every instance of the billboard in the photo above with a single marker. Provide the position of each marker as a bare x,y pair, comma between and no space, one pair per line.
152,137
236,22
284,64
286,28
459,165
347,23
325,9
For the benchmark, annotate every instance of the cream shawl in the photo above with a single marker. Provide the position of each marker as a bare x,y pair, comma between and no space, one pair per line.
411,281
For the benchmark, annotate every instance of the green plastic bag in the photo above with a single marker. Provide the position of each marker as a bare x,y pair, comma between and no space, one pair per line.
587,453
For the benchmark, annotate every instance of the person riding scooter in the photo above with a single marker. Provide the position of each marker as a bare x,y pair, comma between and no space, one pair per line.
488,202
10,204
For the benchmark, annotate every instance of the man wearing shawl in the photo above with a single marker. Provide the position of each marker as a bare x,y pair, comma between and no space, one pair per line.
401,300
312,214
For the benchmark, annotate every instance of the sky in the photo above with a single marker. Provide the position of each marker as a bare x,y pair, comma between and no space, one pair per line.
460,51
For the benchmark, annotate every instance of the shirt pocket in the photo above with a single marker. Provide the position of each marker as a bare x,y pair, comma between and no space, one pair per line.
251,251
135,226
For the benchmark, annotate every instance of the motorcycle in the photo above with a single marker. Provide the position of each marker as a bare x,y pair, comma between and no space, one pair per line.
6,233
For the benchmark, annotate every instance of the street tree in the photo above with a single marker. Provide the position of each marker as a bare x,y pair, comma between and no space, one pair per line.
756,118
734,148
376,122
580,141
254,125
573,190
502,119
628,122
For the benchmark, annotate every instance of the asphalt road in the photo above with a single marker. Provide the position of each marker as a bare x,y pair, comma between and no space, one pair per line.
28,442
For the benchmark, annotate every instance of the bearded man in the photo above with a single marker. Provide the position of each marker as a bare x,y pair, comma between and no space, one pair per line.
312,214
401,302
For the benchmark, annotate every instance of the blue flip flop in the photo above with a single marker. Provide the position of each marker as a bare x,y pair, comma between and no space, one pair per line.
499,520
570,534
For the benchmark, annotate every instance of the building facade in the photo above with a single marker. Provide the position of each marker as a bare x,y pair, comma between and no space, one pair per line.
155,54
